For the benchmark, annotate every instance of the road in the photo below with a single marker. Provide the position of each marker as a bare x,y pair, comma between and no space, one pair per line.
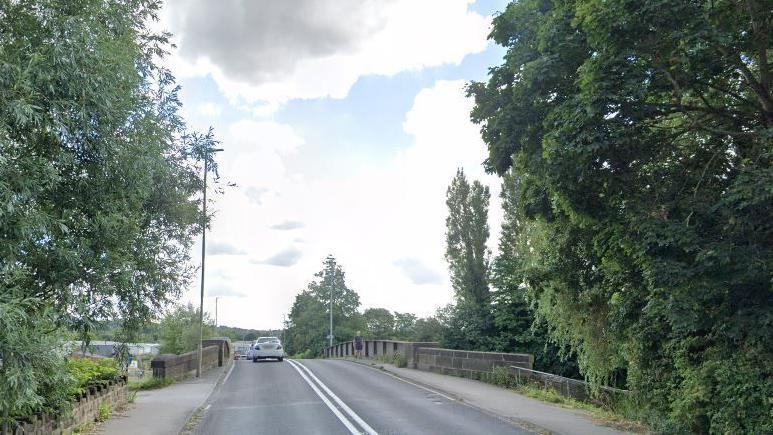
335,397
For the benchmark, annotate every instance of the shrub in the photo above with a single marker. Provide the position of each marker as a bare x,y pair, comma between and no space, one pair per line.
104,411
89,373
151,384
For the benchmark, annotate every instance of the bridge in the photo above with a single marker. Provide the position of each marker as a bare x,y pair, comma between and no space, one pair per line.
395,387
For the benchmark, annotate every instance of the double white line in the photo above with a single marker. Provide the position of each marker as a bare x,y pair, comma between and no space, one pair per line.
350,424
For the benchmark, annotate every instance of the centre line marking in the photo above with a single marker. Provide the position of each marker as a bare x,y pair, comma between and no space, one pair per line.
341,417
369,430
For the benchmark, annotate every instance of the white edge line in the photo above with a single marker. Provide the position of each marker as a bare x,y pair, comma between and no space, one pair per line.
228,375
392,375
335,410
340,402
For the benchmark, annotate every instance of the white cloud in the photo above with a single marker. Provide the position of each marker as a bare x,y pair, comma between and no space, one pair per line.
287,225
271,52
221,248
210,109
385,223
284,258
418,272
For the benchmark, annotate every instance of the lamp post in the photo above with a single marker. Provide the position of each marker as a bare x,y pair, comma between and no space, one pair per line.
203,253
330,336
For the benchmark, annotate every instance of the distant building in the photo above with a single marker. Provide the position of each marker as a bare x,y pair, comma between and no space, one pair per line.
241,347
108,348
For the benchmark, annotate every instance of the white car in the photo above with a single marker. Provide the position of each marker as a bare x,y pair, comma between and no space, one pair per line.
267,347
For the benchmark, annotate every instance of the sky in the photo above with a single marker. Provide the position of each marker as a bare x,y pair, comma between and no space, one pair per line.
342,124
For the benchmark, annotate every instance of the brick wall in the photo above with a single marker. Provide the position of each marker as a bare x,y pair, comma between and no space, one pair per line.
468,363
85,410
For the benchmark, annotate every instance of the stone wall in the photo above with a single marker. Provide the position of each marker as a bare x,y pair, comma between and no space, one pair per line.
468,363
85,410
373,349
179,367
224,348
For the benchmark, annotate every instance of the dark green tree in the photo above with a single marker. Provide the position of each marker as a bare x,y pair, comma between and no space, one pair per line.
99,175
514,318
180,329
379,323
640,134
308,322
404,326
467,232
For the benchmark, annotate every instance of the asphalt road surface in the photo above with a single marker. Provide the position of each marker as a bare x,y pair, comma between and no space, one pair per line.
335,397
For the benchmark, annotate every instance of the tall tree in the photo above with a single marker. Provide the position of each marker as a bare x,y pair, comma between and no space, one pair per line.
517,328
467,232
640,133
98,172
308,320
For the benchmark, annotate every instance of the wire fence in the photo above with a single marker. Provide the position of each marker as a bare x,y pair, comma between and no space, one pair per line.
568,387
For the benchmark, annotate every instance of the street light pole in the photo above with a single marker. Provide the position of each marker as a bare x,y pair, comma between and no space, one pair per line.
331,317
203,255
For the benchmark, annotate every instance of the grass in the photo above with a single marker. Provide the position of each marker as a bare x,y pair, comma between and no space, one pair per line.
104,411
397,359
150,384
618,416
84,428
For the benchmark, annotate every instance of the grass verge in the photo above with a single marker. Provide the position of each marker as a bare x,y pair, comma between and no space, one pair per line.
603,415
150,384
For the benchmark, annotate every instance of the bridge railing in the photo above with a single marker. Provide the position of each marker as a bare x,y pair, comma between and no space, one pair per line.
568,387
374,349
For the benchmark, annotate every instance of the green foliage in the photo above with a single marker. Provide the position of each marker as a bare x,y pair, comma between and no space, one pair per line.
405,324
308,323
33,375
104,411
87,373
179,330
518,329
637,136
306,354
467,232
427,329
397,359
99,172
379,323
99,179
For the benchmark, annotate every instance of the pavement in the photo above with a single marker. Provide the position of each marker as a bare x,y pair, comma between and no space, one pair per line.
530,413
336,397
165,410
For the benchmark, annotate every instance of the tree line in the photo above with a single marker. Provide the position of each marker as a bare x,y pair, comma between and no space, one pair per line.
307,326
99,186
634,142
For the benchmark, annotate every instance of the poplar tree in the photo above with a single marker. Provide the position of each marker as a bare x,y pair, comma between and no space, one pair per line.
467,232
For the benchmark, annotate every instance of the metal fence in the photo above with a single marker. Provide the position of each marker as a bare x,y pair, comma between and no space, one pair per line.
565,386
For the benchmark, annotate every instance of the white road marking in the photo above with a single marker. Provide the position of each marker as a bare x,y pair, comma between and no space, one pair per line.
228,375
369,430
453,399
332,407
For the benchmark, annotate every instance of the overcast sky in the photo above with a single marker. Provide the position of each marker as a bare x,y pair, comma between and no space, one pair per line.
343,123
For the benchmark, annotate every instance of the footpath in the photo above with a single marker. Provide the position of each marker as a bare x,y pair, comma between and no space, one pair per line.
165,410
530,413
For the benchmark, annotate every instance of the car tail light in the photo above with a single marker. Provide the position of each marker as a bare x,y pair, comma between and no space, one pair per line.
279,347
257,347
